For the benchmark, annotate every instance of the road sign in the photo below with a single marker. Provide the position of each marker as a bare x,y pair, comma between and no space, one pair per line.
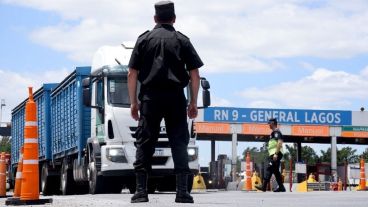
354,131
285,116
318,131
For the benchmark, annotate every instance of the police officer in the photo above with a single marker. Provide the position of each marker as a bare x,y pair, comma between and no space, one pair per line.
275,152
163,61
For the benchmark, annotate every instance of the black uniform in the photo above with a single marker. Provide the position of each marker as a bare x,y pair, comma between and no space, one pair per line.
272,165
163,58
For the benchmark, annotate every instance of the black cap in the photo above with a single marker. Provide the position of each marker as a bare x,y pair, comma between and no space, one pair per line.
272,121
165,10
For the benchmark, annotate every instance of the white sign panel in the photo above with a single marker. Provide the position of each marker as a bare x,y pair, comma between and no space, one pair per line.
300,168
242,166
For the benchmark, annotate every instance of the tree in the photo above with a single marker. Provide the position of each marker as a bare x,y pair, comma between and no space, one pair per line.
348,154
325,155
345,153
289,153
309,156
365,154
5,145
257,155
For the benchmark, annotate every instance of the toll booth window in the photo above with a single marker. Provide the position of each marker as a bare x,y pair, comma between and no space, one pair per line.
118,92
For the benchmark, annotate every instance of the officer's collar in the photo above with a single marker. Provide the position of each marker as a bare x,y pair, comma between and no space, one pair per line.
166,26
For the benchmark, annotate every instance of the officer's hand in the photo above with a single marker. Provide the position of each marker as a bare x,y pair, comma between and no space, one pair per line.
134,111
275,157
192,111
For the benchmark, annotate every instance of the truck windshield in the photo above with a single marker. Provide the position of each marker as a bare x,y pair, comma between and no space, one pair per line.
118,92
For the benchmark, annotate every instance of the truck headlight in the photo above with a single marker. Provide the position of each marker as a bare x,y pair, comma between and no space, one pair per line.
116,155
192,154
191,151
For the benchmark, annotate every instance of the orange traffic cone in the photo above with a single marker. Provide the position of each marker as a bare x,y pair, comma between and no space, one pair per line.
29,194
2,176
18,177
248,174
339,185
362,175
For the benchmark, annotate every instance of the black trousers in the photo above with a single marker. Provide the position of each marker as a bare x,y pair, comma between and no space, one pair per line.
171,107
273,168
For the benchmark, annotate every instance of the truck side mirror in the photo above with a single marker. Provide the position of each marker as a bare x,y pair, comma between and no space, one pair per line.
87,97
86,82
206,96
205,84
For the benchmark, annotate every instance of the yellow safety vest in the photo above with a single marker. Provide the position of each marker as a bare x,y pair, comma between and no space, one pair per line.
272,145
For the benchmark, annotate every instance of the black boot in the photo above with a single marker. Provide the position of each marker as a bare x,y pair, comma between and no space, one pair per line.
263,187
182,195
281,188
141,191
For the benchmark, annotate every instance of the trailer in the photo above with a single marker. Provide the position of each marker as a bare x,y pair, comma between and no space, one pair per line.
86,133
42,99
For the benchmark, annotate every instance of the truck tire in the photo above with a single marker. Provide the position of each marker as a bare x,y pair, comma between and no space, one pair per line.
66,180
95,181
49,184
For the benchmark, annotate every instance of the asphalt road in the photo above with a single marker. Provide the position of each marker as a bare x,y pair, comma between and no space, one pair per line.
220,198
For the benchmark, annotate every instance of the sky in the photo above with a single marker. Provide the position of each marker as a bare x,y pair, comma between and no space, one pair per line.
290,54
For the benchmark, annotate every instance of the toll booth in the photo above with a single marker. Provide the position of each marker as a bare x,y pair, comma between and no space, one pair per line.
220,172
297,126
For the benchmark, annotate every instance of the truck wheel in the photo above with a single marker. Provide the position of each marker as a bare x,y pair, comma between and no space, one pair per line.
49,184
95,181
66,180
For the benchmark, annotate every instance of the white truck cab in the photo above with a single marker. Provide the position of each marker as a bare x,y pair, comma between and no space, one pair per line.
110,151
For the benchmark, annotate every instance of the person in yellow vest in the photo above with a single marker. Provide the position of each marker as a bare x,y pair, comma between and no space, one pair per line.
275,152
283,175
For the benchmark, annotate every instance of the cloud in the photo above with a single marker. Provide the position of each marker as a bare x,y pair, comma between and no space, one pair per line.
16,90
323,89
364,72
217,101
237,36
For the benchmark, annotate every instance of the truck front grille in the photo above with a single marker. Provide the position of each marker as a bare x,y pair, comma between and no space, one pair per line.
134,129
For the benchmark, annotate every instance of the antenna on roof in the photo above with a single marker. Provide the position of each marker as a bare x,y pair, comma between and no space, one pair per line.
117,61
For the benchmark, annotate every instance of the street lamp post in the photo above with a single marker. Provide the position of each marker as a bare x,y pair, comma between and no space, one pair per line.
1,110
